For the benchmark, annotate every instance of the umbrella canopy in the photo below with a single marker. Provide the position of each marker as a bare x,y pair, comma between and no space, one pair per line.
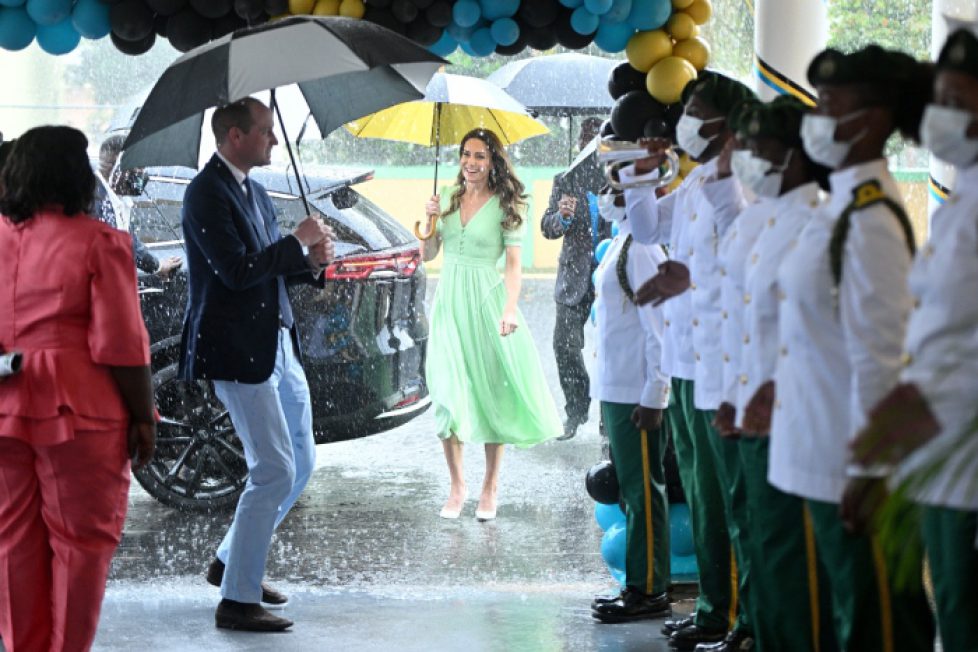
452,106
344,69
559,84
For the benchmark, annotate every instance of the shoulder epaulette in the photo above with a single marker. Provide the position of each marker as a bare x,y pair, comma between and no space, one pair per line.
866,194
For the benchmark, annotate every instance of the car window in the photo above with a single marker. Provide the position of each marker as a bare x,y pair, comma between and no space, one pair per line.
375,227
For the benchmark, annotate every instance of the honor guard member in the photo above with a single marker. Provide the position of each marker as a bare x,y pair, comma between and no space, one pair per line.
842,323
633,393
689,220
782,548
931,415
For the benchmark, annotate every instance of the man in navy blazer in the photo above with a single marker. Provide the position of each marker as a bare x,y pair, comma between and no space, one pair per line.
239,333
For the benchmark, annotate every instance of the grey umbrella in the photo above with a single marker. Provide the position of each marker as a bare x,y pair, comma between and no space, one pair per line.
568,84
344,69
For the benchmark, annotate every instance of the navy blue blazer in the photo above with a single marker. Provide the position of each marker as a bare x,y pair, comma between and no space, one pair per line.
230,330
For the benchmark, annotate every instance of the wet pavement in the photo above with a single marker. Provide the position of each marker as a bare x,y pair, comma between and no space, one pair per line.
369,564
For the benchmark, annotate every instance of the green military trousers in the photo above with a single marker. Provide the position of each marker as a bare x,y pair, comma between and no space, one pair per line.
870,614
716,606
637,456
791,608
949,536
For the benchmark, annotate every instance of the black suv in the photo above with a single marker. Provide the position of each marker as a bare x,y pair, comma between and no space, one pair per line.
364,335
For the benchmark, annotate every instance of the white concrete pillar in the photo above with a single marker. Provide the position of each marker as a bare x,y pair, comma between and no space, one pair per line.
787,35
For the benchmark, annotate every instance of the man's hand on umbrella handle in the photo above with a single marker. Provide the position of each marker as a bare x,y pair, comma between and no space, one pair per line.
322,253
311,230
671,281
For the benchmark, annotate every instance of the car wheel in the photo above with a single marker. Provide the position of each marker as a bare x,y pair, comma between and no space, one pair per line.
199,464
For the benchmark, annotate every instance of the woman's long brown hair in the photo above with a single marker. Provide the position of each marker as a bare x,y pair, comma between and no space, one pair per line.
502,181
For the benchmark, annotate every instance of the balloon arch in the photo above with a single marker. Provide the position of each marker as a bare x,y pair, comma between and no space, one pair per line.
660,37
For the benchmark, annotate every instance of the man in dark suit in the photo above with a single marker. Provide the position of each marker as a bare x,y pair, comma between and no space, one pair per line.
569,217
239,333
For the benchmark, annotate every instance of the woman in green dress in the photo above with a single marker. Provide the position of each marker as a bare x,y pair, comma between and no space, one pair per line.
483,373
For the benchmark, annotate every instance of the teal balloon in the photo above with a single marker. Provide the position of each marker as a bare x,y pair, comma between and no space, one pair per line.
602,249
649,14
17,30
572,4
594,314
615,229
505,31
495,9
619,576
680,530
583,21
60,38
12,3
619,11
608,515
466,13
48,12
443,46
613,37
598,7
482,43
91,19
613,546
594,281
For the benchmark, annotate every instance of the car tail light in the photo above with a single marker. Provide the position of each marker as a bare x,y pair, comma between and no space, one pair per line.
354,268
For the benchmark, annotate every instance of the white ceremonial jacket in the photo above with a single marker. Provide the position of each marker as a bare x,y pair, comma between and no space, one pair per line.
629,337
788,215
668,221
942,345
838,358
734,250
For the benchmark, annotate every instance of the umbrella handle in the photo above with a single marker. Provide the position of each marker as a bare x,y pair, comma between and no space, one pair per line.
424,235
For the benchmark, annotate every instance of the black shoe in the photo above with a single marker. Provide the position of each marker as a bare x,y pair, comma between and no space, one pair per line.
670,626
570,427
737,640
248,617
633,605
215,574
689,637
606,599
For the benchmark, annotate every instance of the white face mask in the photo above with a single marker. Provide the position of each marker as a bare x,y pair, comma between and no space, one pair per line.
759,174
688,134
607,208
818,135
944,131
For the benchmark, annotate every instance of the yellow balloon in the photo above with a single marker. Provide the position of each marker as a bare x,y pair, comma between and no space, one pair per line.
644,49
326,8
682,4
700,11
666,79
681,26
695,50
352,9
301,6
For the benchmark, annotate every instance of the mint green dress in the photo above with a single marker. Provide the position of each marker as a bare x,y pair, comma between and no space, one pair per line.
485,388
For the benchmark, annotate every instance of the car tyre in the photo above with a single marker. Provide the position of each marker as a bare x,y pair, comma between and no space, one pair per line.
199,464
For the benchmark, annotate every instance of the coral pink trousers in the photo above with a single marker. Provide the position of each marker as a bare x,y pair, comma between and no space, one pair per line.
61,513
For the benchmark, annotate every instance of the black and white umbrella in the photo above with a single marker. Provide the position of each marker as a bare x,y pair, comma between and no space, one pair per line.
344,69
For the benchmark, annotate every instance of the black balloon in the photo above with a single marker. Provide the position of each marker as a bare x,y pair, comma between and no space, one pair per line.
514,48
423,32
539,38
165,7
657,128
250,10
606,129
380,4
227,24
672,113
385,18
134,48
439,14
404,10
212,8
188,29
422,4
539,12
276,7
624,78
159,25
566,35
602,483
632,111
131,20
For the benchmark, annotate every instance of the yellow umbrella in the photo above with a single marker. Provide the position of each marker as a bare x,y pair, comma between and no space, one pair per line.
452,106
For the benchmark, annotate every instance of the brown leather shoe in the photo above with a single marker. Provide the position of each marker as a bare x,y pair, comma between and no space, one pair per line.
248,617
215,575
